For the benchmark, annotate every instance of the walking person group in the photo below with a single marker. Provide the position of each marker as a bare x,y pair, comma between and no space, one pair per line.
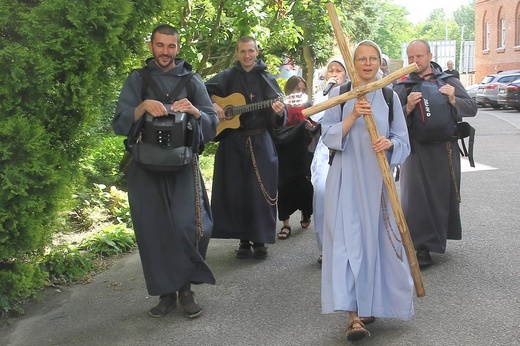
365,272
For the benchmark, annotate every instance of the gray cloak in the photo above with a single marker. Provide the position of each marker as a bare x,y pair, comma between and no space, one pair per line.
163,205
430,180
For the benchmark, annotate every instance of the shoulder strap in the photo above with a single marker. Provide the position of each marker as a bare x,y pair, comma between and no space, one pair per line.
343,88
161,96
149,82
269,82
466,130
388,94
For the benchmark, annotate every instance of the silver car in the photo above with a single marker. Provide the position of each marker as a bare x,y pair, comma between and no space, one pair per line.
472,91
488,89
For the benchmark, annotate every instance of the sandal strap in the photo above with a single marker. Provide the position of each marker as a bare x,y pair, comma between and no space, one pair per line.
358,321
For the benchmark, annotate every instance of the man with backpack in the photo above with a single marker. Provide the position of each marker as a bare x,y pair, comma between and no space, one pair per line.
170,210
433,102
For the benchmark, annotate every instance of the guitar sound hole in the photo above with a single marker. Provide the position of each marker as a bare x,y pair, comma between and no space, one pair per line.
228,113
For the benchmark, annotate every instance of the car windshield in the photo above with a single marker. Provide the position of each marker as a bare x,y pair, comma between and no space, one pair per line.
487,79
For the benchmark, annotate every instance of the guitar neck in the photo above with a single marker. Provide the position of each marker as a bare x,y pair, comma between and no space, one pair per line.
254,106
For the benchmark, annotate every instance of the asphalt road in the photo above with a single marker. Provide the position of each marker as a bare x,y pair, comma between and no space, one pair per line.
472,291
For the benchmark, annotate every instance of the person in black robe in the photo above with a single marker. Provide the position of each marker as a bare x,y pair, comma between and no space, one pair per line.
245,178
451,70
295,190
170,211
430,176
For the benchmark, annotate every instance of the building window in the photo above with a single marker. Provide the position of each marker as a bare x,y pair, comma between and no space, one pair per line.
517,26
486,35
502,34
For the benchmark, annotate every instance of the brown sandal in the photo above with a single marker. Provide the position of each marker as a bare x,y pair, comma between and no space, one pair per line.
356,333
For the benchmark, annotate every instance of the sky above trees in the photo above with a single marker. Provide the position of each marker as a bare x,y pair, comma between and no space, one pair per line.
420,10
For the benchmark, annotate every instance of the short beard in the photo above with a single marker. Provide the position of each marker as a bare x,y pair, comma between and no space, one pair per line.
158,62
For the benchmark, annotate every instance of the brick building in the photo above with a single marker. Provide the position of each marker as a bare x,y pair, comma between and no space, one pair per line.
497,36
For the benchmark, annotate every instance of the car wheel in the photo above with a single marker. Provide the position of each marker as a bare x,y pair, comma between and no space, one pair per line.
496,106
517,108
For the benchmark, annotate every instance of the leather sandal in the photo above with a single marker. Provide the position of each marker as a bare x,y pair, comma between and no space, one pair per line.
190,306
166,303
356,333
285,232
305,223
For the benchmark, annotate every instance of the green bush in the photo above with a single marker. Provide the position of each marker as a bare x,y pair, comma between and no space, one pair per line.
110,241
97,206
60,66
64,264
101,163
20,279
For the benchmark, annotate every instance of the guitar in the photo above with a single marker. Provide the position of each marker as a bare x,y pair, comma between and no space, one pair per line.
235,104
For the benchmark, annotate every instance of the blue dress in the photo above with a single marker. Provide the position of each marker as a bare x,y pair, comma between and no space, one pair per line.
365,268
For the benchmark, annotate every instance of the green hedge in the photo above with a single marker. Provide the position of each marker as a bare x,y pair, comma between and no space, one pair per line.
61,64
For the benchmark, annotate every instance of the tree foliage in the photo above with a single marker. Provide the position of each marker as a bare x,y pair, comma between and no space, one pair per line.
393,29
465,17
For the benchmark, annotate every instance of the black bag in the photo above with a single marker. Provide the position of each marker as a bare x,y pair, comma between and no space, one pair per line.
433,119
165,144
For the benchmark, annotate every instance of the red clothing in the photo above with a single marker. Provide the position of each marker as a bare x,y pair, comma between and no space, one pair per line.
295,116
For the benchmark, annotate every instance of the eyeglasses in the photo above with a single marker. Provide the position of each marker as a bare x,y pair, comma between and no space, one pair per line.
363,59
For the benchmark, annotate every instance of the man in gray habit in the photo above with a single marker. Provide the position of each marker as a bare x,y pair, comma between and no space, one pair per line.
430,176
166,207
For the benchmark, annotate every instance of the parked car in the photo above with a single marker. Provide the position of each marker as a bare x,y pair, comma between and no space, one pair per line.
509,95
472,91
488,89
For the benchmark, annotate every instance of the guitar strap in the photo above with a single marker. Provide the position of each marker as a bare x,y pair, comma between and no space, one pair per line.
270,83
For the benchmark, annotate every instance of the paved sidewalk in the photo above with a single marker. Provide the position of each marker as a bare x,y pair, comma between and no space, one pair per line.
471,291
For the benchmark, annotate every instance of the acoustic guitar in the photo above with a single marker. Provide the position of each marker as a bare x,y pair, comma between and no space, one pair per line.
235,104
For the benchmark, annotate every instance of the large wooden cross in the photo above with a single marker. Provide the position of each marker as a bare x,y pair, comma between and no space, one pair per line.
359,92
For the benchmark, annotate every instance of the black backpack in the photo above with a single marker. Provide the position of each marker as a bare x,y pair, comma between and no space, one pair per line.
175,129
433,119
167,143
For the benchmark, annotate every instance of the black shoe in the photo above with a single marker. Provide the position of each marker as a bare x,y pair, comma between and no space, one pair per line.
259,251
190,306
166,303
244,250
423,257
